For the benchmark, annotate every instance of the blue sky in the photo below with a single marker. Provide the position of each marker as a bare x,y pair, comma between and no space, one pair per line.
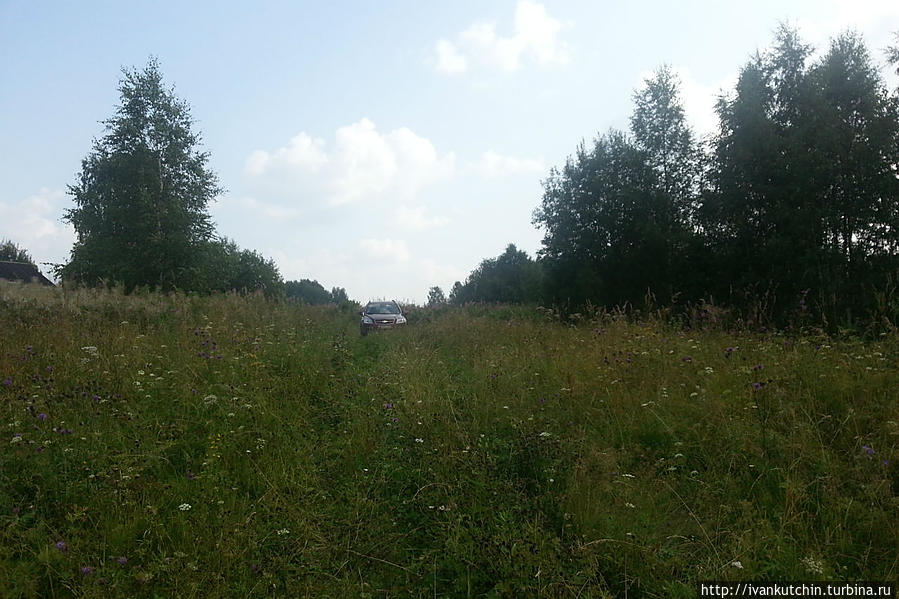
384,147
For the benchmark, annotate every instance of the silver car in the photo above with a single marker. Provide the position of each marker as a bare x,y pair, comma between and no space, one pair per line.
377,316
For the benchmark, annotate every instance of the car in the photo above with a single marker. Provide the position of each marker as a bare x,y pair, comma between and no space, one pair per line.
378,316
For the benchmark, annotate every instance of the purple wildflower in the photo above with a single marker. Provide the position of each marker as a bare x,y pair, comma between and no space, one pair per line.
757,367
86,570
867,450
122,560
15,511
41,416
686,359
49,368
61,545
191,475
757,385
7,381
255,568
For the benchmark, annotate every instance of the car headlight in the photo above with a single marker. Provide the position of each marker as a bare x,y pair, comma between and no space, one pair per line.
367,320
400,320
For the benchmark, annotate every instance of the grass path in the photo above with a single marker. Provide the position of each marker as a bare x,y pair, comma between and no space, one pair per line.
204,447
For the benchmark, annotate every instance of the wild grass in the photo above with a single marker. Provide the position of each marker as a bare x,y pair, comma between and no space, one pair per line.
176,446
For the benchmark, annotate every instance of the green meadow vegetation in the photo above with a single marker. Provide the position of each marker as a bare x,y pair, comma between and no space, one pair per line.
228,446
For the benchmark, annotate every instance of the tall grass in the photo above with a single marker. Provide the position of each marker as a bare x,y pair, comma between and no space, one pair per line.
232,447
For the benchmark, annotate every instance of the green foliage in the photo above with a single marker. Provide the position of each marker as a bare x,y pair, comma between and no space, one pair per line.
181,445
804,195
339,296
10,252
790,214
223,266
618,216
141,198
307,292
436,297
511,277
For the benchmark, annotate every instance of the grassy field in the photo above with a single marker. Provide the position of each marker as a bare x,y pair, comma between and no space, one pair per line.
160,446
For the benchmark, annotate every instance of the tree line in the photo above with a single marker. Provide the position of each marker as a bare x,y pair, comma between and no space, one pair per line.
791,207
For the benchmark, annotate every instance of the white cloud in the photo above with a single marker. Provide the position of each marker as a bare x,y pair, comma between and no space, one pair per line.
394,250
443,275
449,59
364,164
536,38
267,209
414,219
34,224
302,152
493,164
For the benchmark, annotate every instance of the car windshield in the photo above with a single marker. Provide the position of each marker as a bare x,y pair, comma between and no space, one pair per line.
384,308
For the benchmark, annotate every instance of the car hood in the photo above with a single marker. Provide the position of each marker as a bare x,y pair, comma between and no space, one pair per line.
382,316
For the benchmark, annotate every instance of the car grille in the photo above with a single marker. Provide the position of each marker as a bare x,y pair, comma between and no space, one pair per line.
385,321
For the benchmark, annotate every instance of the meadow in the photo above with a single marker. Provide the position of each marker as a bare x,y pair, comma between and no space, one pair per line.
227,446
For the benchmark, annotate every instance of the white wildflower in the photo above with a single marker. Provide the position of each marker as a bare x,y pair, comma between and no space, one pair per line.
184,507
812,565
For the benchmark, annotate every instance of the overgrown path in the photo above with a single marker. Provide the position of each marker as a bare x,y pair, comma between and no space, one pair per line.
230,446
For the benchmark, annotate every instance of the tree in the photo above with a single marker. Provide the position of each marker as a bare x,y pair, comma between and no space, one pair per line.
307,291
339,296
456,293
511,277
141,198
436,297
804,193
10,252
618,216
223,266
892,52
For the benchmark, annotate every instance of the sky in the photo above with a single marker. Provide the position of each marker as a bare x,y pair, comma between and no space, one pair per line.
384,147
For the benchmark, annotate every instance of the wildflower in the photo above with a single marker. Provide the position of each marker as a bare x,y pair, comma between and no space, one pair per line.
254,568
17,438
814,566
757,367
545,434
122,560
737,565
191,475
41,416
867,450
630,505
283,532
418,440
61,545
184,507
86,570
7,381
757,386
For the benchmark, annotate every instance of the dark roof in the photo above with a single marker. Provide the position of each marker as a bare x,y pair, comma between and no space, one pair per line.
22,271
